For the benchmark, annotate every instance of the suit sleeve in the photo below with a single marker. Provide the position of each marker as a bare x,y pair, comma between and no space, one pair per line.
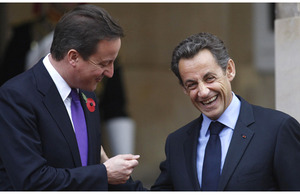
287,155
23,165
164,182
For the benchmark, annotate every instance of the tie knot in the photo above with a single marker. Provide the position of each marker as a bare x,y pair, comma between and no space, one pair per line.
215,127
74,95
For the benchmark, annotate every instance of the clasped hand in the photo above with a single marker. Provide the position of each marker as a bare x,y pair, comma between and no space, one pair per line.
120,167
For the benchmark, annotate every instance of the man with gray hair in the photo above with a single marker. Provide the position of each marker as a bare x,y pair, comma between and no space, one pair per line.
233,145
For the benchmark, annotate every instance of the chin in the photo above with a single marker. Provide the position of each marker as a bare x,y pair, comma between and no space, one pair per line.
90,89
212,116
93,88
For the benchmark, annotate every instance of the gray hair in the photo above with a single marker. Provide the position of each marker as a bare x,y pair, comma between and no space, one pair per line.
191,46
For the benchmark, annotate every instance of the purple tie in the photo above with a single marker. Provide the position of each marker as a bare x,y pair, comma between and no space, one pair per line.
79,126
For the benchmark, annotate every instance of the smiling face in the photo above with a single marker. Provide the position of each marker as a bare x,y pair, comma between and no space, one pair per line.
206,83
88,73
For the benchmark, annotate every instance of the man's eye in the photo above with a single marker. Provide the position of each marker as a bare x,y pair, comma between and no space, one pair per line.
106,63
103,64
210,79
191,86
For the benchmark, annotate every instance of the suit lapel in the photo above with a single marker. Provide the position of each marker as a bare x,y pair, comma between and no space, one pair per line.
56,108
240,139
190,151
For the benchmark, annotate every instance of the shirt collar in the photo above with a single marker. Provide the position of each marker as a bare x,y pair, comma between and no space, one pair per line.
229,117
61,85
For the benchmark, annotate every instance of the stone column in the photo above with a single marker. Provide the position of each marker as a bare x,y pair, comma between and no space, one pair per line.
3,27
287,58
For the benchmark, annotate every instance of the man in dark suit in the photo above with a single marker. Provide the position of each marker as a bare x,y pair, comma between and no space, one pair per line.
255,148
40,148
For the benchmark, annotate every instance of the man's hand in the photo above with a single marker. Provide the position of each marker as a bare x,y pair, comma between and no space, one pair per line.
120,167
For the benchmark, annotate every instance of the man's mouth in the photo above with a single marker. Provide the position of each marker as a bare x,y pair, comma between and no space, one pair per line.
98,79
210,100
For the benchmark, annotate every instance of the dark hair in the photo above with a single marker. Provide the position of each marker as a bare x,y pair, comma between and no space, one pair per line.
191,46
81,29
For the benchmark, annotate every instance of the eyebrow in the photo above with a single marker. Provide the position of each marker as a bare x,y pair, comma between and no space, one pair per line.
205,76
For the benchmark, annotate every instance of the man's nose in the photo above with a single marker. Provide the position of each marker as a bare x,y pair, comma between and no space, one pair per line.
109,72
202,90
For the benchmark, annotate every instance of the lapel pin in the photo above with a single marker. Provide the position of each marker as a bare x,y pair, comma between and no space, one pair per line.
244,136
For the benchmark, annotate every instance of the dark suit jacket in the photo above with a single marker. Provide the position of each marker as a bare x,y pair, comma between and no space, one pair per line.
264,154
38,147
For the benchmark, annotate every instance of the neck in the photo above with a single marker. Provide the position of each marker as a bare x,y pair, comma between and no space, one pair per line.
61,68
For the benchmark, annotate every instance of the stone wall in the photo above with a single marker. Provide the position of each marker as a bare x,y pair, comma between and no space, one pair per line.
287,61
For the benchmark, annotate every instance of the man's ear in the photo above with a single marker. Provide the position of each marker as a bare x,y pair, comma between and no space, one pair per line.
73,56
230,70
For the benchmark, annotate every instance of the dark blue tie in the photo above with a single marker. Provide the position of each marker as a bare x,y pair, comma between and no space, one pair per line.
212,159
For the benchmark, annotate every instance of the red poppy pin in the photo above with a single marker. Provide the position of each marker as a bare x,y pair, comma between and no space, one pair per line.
90,103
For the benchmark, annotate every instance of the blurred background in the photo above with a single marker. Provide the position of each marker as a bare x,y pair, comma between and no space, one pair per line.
155,101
